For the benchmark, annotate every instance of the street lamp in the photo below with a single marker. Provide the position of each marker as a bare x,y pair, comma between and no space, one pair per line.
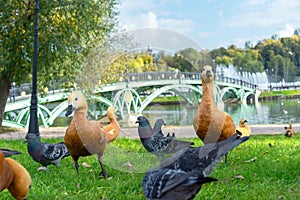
33,121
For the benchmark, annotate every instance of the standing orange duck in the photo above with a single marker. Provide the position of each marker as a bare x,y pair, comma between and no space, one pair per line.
211,124
87,137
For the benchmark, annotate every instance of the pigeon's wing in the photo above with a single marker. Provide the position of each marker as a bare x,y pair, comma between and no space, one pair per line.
157,143
54,151
173,145
187,189
157,182
172,184
208,156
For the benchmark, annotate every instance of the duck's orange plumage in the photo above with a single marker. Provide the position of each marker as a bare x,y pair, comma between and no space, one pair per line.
14,177
210,123
87,137
244,128
289,131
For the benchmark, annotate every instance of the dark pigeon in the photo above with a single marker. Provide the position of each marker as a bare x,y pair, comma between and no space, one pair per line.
182,175
170,184
8,153
202,159
44,153
157,143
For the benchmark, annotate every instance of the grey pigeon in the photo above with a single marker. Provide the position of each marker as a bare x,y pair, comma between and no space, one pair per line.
45,153
8,153
182,175
170,184
157,127
202,159
157,143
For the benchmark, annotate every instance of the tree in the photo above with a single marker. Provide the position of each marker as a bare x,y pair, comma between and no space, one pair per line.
68,30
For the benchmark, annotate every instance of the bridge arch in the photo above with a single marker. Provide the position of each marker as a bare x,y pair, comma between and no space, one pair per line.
126,100
227,89
161,90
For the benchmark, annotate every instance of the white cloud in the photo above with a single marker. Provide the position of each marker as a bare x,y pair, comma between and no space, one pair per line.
134,16
265,13
287,31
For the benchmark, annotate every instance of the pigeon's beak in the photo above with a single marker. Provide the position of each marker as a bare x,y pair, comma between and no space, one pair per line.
25,140
69,111
137,121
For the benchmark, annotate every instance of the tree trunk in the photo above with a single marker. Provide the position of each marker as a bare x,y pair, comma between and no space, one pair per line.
4,93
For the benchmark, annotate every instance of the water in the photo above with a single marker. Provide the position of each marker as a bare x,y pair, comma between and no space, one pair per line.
265,112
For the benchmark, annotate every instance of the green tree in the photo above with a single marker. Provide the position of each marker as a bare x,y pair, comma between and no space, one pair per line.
67,31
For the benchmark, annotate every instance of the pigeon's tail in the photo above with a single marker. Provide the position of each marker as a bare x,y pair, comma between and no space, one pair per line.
222,148
202,180
8,153
231,142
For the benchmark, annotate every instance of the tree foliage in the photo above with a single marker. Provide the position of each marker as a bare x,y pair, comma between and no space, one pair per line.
68,30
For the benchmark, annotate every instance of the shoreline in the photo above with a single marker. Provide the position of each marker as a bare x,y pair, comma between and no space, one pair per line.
131,132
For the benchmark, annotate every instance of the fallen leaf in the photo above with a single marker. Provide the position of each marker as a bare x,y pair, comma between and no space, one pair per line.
251,160
77,185
281,197
127,164
239,176
84,164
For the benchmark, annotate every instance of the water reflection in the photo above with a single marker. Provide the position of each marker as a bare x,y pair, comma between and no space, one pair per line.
265,112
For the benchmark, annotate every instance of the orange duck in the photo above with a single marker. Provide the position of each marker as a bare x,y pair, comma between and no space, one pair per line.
87,137
14,177
244,128
289,131
211,124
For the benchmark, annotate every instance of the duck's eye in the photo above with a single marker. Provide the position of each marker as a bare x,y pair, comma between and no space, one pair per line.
76,98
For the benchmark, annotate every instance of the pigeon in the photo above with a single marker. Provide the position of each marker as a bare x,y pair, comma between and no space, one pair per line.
44,153
157,127
202,159
172,184
8,153
157,143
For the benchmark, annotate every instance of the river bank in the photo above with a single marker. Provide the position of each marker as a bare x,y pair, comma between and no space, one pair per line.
180,131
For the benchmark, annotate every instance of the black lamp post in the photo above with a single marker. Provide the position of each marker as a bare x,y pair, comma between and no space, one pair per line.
33,121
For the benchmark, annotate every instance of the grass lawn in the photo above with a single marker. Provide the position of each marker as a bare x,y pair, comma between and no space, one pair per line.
264,167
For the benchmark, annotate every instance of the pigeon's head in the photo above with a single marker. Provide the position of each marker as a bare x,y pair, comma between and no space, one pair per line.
142,121
160,122
76,102
31,137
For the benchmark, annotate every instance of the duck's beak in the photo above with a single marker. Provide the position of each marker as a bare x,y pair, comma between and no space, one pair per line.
69,111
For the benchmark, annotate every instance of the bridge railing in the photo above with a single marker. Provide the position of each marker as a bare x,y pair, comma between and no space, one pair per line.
136,77
176,75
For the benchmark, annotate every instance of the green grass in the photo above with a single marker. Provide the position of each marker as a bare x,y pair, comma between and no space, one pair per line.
282,92
275,174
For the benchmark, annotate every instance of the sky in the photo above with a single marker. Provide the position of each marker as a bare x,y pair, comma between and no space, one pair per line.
213,23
